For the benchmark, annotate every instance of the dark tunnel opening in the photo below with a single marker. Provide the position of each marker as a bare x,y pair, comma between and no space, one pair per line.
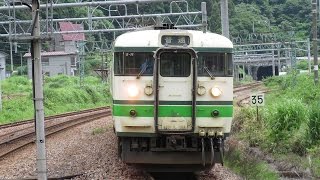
266,71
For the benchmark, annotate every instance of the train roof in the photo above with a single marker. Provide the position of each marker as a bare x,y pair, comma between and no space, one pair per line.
150,39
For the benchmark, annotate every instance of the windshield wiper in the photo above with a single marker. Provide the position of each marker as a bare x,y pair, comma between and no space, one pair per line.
208,71
142,71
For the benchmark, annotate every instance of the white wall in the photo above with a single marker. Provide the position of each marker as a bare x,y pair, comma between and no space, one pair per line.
57,65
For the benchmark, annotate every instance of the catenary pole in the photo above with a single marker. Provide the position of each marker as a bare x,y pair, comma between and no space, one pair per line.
38,92
224,18
315,41
204,16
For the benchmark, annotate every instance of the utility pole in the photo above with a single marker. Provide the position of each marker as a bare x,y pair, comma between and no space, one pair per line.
38,92
204,16
315,40
309,56
224,18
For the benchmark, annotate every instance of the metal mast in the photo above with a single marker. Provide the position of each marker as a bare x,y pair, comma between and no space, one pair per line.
315,40
224,18
38,92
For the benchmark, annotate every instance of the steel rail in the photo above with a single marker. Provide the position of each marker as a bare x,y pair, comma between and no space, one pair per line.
246,86
15,142
3,126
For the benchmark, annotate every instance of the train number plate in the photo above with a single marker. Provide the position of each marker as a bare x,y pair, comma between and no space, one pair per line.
174,124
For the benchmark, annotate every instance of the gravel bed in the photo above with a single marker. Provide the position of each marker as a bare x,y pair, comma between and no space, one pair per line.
90,150
218,172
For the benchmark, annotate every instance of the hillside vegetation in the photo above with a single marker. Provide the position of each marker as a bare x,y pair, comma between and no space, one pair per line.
288,18
61,93
289,124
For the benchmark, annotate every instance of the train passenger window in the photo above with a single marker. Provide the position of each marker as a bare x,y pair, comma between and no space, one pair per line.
218,64
175,64
132,63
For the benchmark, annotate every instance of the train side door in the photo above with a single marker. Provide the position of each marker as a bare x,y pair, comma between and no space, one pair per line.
175,98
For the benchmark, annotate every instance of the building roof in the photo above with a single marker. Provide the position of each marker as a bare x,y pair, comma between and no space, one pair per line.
53,53
68,26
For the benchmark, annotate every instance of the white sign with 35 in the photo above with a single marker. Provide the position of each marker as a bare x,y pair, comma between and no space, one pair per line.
257,100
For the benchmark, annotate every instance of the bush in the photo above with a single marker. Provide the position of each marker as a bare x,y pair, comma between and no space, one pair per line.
314,161
61,93
284,121
239,159
303,65
22,70
249,127
16,84
314,124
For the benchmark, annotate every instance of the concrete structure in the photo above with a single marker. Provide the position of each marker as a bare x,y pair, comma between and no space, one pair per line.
55,63
2,65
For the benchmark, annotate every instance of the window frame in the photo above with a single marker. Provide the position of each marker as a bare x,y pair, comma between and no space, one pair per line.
224,59
119,57
190,64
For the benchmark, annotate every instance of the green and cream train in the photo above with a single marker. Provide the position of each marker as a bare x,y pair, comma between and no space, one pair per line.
172,97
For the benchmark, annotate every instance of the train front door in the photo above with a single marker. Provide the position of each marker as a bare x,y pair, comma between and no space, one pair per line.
175,95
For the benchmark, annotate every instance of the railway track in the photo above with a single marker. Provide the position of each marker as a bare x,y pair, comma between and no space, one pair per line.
3,126
246,86
12,141
243,92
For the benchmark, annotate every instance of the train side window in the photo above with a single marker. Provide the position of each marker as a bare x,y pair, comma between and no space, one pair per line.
229,66
175,64
131,63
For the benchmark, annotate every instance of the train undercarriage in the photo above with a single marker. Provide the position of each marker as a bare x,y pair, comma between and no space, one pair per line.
172,152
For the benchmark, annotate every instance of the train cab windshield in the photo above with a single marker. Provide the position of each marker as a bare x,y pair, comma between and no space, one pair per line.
175,64
215,64
133,64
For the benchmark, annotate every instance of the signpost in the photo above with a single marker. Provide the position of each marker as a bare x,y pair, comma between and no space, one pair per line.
257,100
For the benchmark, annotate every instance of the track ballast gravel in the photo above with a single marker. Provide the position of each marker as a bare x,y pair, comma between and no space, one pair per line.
88,150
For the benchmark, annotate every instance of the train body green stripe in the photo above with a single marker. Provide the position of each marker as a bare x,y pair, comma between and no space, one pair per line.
138,102
171,111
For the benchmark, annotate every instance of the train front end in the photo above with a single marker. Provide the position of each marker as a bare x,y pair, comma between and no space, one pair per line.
172,98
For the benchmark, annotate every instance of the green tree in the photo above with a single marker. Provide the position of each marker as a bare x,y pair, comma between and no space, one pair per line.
247,18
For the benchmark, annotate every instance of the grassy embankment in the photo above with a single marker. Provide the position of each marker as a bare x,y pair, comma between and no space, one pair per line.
288,128
61,93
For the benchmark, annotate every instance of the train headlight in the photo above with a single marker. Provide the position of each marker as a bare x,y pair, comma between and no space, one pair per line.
216,92
133,91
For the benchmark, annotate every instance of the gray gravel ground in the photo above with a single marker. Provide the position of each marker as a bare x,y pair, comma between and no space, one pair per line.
90,150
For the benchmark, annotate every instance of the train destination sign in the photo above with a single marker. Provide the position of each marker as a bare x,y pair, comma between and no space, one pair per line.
175,40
